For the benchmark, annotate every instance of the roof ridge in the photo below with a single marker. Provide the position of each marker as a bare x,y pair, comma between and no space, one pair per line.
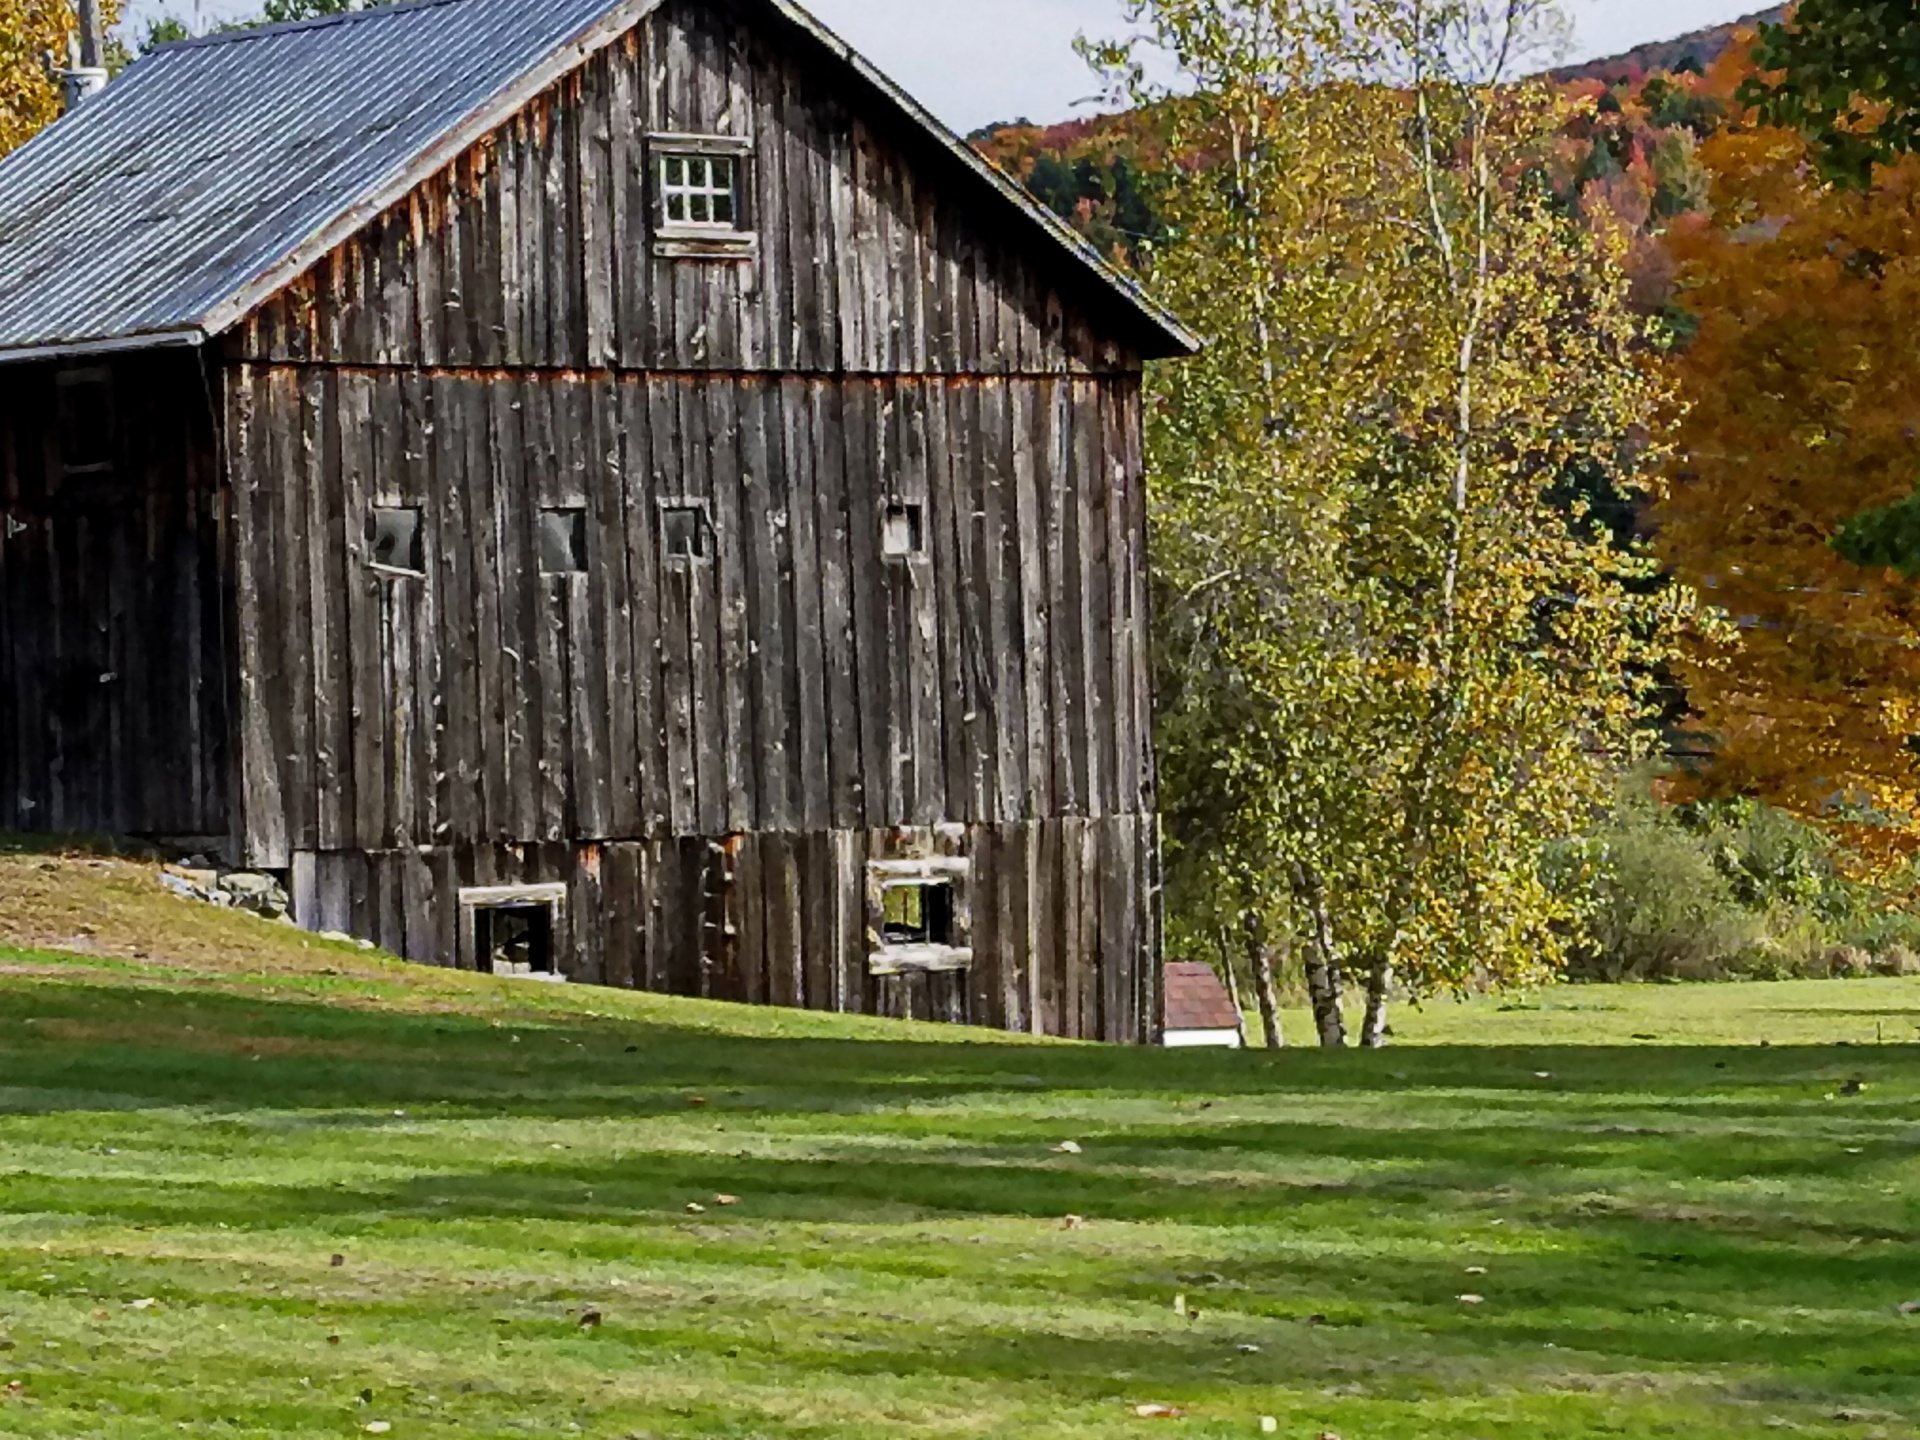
377,11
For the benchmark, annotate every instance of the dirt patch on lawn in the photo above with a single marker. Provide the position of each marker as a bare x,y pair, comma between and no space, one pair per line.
116,909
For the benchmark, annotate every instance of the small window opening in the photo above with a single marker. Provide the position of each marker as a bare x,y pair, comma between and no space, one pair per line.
394,539
700,191
905,532
919,913
563,542
86,421
515,940
683,531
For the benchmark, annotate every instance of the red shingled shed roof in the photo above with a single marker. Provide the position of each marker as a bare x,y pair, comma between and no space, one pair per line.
1196,1000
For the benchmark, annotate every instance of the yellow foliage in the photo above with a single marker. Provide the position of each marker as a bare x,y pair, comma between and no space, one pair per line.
1804,384
29,29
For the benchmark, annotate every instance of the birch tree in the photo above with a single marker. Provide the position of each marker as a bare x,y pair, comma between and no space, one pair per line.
1398,659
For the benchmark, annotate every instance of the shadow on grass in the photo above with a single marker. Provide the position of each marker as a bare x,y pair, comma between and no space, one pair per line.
1387,1170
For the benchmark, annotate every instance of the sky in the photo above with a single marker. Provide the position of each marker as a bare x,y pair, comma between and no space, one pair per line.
973,62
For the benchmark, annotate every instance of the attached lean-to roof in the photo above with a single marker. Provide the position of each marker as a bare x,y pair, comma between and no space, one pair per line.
213,172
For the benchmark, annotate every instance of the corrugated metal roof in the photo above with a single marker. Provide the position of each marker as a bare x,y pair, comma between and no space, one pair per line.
206,165
212,172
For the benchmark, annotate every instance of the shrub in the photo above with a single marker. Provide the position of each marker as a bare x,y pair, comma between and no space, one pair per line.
1724,891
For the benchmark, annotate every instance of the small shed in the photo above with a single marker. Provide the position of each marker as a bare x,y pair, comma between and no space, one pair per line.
606,490
1199,1011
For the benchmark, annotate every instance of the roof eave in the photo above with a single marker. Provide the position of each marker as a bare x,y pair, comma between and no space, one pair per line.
189,336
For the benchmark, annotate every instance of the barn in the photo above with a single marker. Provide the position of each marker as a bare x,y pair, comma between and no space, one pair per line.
613,492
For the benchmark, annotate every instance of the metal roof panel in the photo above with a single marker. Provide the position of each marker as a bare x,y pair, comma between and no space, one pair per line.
214,171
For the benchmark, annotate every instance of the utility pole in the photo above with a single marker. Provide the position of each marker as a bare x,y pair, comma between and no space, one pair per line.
85,74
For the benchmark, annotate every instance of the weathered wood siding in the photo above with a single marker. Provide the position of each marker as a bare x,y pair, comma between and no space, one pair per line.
793,680
115,681
1061,937
709,753
535,250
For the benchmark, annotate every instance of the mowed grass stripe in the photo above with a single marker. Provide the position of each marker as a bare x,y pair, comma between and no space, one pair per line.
1709,1239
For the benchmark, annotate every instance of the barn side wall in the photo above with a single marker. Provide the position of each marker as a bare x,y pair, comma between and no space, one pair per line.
876,255
116,677
1060,940
790,680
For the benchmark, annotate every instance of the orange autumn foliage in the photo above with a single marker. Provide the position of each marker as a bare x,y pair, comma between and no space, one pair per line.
1804,385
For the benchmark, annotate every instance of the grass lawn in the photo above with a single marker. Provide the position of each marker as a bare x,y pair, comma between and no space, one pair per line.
253,1184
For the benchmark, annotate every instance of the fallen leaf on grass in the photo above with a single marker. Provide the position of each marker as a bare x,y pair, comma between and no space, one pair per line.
1067,1147
1159,1412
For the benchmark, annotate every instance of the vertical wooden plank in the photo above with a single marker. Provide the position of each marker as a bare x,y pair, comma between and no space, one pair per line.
750,983
597,199
678,592
457,415
366,647
625,964
324,539
1075,998
816,902
1048,920
806,579
732,437
545,599
588,907
865,435
1066,670
1091,486
768,495
847,855
1029,520
615,596
639,492
846,716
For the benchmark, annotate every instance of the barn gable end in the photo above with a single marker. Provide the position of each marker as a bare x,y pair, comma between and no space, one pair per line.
874,253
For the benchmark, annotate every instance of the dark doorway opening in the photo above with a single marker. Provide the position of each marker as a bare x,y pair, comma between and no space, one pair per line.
515,939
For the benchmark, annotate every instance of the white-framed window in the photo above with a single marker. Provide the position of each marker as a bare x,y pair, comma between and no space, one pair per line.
701,204
702,191
918,919
513,930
